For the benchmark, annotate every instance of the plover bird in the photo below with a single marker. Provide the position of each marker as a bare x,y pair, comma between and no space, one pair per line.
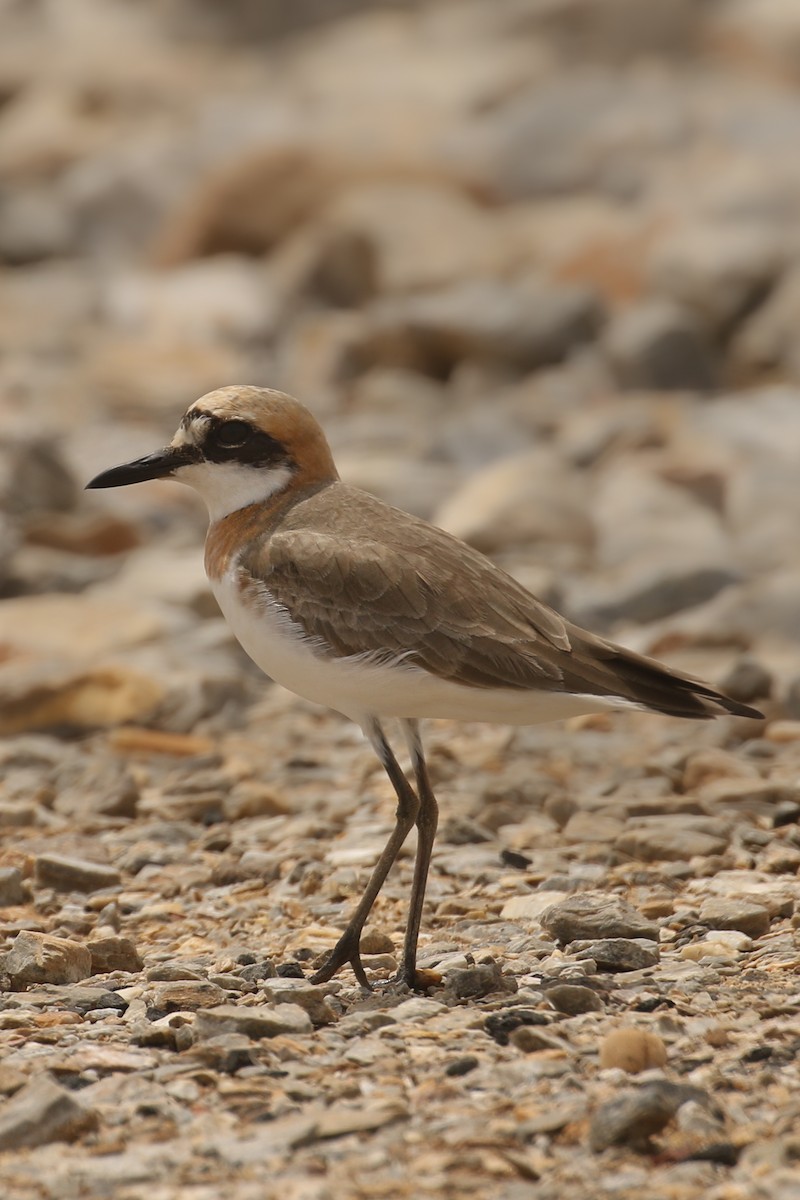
375,613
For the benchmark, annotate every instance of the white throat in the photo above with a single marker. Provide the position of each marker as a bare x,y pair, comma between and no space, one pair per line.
227,487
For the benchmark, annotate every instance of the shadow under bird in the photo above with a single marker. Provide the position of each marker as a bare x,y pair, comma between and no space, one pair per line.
375,613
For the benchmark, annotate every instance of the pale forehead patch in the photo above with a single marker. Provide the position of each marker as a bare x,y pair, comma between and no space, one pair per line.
192,429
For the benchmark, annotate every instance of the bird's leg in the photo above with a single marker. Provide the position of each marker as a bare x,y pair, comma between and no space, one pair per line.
346,949
427,820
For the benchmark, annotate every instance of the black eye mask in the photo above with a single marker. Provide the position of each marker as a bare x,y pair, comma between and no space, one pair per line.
240,442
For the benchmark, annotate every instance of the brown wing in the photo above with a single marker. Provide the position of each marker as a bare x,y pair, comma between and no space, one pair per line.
412,592
451,613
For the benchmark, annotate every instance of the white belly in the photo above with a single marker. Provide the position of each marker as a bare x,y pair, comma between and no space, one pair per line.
360,689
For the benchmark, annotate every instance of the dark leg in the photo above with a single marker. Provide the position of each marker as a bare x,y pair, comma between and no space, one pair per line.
427,820
346,949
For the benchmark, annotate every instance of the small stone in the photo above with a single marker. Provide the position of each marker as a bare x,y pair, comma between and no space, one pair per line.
74,874
659,346
620,954
18,813
42,1112
227,1053
376,941
40,958
12,890
462,1066
718,943
632,1118
748,681
310,997
633,1050
530,907
171,972
668,840
113,953
256,971
79,999
501,1025
572,999
340,1120
252,799
473,982
744,915
595,914
186,996
254,1022
783,732
530,1040
11,1080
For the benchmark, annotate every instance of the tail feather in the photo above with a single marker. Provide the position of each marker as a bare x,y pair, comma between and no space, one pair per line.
648,683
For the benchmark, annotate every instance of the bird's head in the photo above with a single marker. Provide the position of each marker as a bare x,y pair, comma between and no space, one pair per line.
237,446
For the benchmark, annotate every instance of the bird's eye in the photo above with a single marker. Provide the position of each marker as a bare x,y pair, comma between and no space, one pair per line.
231,434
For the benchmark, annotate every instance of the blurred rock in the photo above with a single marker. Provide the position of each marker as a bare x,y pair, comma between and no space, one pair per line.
746,916
12,890
642,521
34,479
632,1118
592,131
652,598
572,999
720,271
48,697
616,30
619,953
592,914
110,953
34,224
656,346
104,786
74,874
254,21
226,298
520,500
249,205
422,234
257,1021
767,342
94,534
523,325
82,626
43,1112
651,839
748,681
40,958
633,1050
764,31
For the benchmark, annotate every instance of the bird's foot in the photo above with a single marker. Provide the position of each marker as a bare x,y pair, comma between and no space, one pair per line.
345,951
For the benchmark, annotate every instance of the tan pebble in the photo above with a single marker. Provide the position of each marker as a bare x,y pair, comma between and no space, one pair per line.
134,739
657,906
783,731
376,941
530,1039
633,1050
252,799
718,1036
708,765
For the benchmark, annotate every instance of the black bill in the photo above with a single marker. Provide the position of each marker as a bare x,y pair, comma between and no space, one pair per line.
152,466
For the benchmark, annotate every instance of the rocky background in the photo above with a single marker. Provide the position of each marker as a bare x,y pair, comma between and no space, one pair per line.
536,265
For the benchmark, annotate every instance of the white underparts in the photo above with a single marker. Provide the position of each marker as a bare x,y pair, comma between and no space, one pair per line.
227,487
359,686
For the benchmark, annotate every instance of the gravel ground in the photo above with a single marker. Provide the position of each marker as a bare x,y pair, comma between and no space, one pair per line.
536,266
